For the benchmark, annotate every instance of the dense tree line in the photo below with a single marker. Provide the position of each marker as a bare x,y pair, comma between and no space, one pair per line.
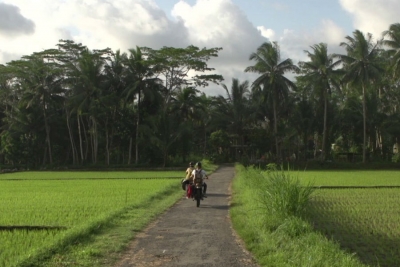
76,106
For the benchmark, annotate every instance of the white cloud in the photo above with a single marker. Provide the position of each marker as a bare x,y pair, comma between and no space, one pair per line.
121,24
293,44
374,16
330,33
220,23
267,33
7,57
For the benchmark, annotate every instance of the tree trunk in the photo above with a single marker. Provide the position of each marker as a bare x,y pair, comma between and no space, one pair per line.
71,138
111,138
137,131
316,144
80,137
205,140
91,135
47,128
364,124
165,157
324,134
86,140
44,156
278,156
95,141
130,151
107,146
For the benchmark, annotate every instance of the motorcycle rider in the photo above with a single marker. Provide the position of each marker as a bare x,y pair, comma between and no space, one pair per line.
203,175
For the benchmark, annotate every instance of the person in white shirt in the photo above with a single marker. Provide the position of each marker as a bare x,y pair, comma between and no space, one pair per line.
203,175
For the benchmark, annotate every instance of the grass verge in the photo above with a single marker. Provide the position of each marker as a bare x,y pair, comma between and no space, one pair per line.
103,245
276,237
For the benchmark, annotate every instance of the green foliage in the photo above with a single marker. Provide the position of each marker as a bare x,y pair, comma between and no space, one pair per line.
396,158
277,241
19,148
179,61
293,227
209,166
83,206
282,194
219,139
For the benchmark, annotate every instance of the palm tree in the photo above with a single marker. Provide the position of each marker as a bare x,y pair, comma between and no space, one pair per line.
186,105
321,75
87,80
41,81
206,119
140,81
185,101
362,66
237,108
393,42
112,102
272,80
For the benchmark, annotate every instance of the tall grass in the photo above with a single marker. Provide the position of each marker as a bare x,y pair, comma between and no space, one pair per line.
282,194
267,210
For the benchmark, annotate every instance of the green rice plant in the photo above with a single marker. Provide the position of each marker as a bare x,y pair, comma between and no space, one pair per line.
291,242
350,178
61,175
82,206
364,221
283,194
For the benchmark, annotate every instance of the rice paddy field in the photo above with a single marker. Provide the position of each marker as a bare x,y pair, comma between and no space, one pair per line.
360,210
42,211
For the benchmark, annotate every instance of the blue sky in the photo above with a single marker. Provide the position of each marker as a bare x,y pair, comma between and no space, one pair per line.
238,26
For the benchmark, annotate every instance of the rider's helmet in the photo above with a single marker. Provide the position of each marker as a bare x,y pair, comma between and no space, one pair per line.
191,164
198,164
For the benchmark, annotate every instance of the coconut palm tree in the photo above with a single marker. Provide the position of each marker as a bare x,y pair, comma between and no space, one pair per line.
185,101
237,108
362,66
41,81
321,75
141,82
392,41
187,106
112,101
87,80
272,80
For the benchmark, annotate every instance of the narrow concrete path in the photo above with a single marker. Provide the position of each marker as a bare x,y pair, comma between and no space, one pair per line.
189,236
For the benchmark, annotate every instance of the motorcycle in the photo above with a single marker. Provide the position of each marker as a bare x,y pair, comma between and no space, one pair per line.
198,191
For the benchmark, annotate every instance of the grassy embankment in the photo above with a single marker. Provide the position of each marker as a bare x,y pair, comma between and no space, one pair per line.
269,213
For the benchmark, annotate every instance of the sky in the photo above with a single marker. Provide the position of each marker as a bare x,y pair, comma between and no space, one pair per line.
238,26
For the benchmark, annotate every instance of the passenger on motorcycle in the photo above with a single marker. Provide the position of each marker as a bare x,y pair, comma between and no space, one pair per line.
203,175
188,180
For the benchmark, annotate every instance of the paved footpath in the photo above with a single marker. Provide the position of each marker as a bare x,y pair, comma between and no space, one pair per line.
189,236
